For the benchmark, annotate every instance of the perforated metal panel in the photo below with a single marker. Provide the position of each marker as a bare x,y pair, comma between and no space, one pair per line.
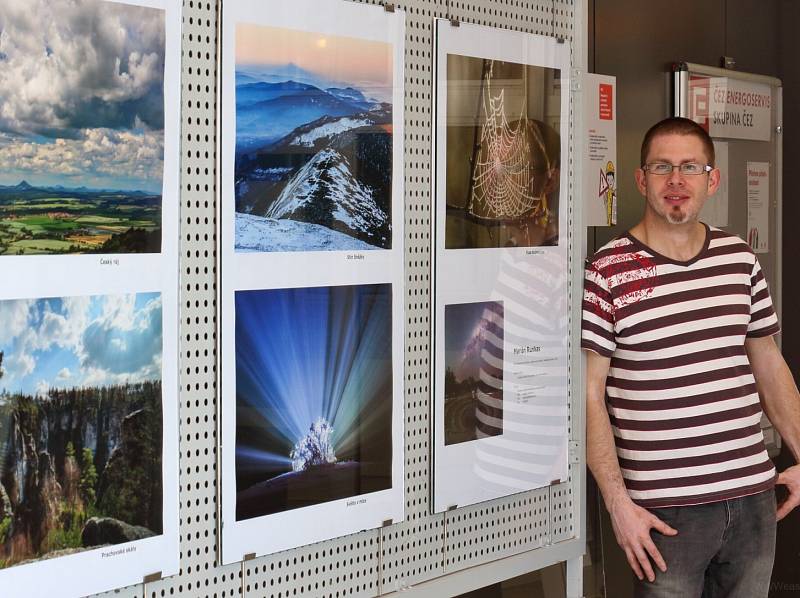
425,546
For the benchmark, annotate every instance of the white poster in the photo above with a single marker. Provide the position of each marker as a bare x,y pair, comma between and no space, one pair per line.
89,205
758,206
728,107
600,176
312,272
715,210
499,395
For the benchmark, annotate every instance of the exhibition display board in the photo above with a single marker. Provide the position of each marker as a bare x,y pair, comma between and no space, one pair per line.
216,333
89,206
311,240
501,332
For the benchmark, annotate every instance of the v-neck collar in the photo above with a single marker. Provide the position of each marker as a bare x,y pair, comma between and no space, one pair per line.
669,260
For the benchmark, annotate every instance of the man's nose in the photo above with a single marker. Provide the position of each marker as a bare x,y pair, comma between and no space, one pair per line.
675,177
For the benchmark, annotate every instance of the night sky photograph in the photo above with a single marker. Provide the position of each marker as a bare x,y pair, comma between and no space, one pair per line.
313,396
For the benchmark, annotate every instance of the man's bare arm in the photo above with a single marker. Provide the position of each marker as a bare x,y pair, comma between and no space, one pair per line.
632,524
781,402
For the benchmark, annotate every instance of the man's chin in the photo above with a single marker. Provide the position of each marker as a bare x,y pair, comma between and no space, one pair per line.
679,217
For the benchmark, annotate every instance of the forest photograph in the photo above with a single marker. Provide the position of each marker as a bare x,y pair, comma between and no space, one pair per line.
80,424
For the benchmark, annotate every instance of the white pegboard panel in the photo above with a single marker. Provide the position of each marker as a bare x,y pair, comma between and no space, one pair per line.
424,546
562,509
411,552
324,569
530,17
564,19
199,573
129,592
492,530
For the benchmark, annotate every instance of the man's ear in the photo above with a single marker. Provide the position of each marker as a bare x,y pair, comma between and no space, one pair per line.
713,181
641,181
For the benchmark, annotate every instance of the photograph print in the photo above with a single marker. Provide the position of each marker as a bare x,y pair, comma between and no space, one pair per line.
313,153
81,127
473,378
503,154
80,424
313,396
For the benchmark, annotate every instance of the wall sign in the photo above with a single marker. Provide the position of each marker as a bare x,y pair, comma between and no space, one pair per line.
731,108
600,174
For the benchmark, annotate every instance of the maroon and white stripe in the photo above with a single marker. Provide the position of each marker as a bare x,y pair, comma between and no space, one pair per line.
680,392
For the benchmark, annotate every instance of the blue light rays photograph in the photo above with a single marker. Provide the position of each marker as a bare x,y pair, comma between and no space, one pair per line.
313,395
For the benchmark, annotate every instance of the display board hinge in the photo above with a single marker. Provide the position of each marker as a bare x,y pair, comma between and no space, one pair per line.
388,7
249,556
574,452
455,23
387,522
575,79
152,577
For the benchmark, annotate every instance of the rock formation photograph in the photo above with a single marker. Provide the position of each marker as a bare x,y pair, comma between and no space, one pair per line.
80,424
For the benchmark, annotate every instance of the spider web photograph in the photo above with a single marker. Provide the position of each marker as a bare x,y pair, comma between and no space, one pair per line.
503,154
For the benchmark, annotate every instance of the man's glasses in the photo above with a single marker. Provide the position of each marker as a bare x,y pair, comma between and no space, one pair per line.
687,168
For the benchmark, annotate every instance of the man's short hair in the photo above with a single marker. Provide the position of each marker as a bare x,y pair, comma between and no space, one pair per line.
676,125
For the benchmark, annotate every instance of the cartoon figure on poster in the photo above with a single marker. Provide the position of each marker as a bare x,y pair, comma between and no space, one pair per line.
609,193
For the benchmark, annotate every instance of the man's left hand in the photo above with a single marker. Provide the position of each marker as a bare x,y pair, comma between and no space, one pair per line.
791,479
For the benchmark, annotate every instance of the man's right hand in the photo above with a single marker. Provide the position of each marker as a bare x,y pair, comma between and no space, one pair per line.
632,525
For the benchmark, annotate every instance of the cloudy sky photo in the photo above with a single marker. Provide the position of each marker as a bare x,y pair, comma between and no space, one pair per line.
81,94
70,342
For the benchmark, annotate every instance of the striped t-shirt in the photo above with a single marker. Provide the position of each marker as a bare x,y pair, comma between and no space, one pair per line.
680,392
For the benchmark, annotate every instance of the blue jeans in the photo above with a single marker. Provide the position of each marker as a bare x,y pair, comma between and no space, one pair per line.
723,550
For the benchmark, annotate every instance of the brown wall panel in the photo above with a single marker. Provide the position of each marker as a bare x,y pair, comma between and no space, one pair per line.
788,34
637,41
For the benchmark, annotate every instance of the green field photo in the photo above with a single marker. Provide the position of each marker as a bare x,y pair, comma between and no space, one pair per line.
82,162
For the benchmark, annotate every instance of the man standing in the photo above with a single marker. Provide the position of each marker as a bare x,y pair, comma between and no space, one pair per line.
678,326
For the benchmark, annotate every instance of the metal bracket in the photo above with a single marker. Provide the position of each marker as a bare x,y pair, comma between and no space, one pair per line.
560,39
575,79
387,522
249,556
152,577
728,62
455,23
574,452
452,507
388,7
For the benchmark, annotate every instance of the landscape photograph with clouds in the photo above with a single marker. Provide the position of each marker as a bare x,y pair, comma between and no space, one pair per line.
81,127
80,424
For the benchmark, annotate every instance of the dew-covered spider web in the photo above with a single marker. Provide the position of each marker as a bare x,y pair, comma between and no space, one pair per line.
503,177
